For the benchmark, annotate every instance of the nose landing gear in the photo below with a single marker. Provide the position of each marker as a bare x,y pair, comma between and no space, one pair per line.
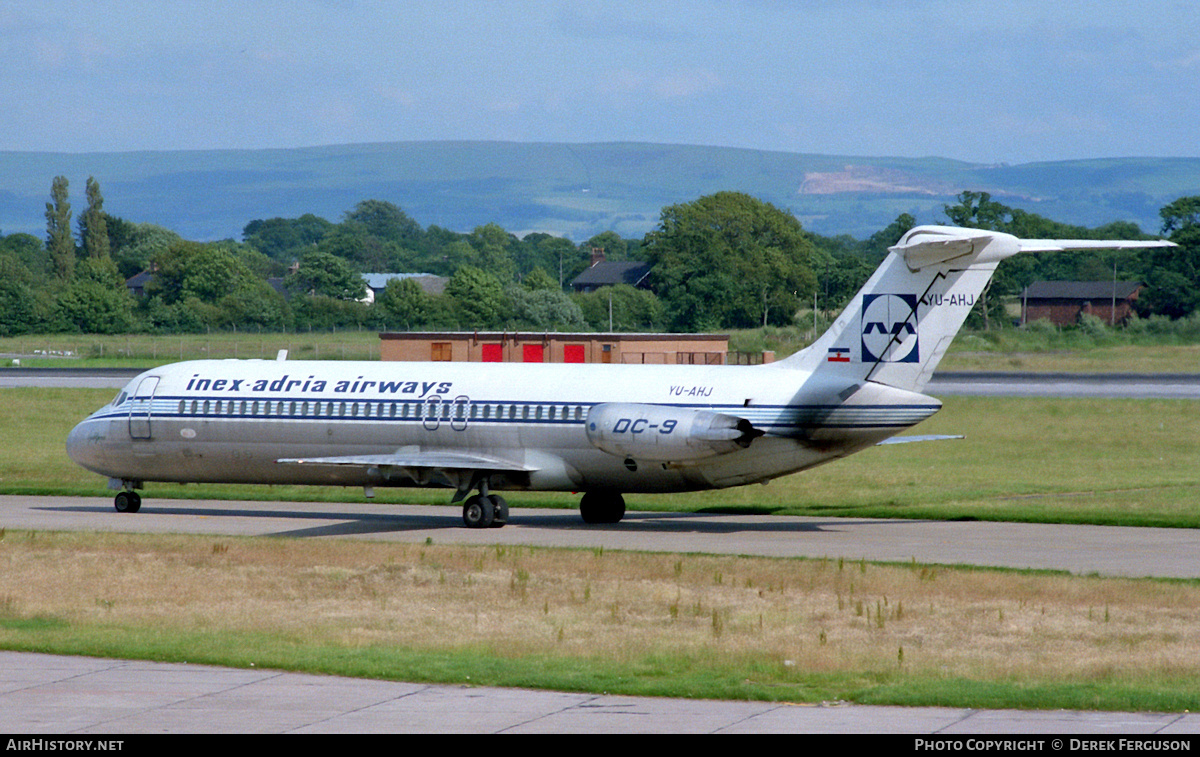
127,500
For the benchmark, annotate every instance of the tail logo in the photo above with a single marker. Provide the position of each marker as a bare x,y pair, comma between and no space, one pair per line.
889,328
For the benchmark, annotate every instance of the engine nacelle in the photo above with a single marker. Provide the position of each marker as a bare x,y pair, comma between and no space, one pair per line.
660,433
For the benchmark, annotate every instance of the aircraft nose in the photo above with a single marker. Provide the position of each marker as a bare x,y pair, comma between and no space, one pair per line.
83,444
76,443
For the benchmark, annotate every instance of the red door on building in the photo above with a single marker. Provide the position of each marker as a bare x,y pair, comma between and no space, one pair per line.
532,353
573,353
493,353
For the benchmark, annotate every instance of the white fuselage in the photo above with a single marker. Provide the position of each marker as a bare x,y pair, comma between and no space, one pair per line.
251,421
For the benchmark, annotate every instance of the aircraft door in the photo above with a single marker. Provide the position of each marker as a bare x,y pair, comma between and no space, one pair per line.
462,408
140,408
432,416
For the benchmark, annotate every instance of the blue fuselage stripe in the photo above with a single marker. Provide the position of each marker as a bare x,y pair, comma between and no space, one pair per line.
771,418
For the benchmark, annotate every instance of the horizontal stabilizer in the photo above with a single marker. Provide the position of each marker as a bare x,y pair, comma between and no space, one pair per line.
1062,245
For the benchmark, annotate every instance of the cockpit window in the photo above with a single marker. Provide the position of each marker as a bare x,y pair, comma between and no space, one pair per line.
125,394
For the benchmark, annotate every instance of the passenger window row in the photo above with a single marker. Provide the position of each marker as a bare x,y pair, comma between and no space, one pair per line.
398,410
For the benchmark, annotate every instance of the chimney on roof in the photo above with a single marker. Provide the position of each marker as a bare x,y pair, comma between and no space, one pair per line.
597,256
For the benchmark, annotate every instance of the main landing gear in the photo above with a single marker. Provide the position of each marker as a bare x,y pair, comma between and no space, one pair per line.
128,502
485,510
602,507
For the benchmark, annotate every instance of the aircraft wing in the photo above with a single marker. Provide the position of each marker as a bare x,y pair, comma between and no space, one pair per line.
459,470
918,438
436,459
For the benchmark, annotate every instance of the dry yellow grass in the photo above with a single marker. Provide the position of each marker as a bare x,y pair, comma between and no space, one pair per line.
788,617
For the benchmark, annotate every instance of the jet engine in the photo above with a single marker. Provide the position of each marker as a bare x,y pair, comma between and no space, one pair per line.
661,433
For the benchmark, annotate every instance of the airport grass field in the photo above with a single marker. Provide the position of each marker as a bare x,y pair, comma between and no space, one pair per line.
662,624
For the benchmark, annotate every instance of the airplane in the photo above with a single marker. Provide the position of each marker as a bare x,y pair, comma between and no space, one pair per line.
603,430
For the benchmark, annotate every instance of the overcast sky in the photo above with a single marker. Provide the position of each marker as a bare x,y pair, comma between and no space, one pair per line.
986,81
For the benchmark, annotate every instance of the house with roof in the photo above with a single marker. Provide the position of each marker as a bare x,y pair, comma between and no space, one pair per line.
1062,302
377,282
136,284
604,273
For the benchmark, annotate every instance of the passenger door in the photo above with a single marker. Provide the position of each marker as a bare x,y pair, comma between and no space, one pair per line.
141,407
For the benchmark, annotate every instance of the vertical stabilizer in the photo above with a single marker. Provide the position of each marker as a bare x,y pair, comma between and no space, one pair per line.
897,328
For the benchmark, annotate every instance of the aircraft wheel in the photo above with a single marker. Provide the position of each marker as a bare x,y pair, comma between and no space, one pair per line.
128,502
500,508
602,507
479,512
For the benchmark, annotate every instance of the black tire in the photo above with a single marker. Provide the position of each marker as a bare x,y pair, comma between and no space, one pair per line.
602,507
500,508
478,512
128,502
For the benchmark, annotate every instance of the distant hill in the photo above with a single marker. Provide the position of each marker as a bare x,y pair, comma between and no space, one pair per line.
575,190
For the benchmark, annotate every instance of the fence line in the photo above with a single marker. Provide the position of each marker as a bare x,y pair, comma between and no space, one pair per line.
159,349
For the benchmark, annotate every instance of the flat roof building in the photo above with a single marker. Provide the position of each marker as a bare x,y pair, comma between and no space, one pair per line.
553,347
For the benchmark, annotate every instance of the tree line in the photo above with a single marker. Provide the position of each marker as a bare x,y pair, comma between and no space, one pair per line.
723,261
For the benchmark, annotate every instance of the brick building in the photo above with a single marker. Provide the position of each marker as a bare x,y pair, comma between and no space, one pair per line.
1061,302
551,347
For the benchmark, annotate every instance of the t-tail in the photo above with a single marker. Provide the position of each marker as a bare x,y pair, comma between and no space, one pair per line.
900,324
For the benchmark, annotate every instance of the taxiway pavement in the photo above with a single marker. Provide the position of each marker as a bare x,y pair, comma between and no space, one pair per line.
53,694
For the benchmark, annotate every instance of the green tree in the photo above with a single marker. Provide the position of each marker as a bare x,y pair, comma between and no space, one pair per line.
404,302
631,309
1173,273
141,244
1181,215
96,301
539,279
546,309
253,303
286,239
326,313
479,298
18,314
493,248
93,226
383,220
31,253
187,270
60,244
323,274
364,251
608,242
198,286
729,260
559,257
